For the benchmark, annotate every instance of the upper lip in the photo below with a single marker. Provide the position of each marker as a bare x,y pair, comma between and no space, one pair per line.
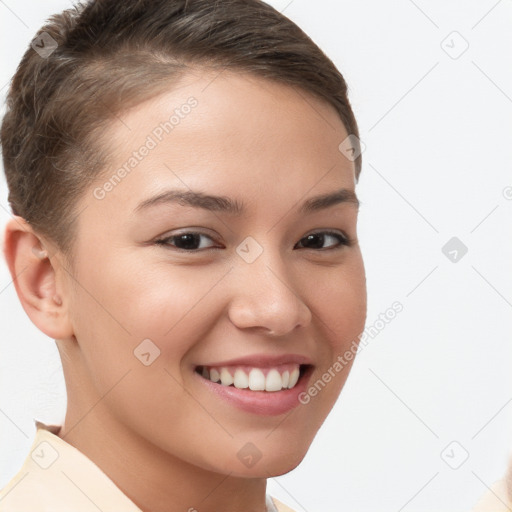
263,360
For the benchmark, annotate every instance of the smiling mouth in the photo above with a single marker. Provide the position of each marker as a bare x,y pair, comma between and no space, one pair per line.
267,379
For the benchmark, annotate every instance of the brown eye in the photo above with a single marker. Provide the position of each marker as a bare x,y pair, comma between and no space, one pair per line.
187,241
317,240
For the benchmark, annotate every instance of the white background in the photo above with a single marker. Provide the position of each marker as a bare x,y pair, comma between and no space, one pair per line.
438,158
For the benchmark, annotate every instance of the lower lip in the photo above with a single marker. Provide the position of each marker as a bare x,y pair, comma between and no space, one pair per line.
264,403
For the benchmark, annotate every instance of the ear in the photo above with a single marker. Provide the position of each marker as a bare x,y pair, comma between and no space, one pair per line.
34,271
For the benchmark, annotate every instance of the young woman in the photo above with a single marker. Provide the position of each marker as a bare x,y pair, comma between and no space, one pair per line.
182,180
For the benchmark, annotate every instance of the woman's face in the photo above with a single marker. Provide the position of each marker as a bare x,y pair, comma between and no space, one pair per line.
166,293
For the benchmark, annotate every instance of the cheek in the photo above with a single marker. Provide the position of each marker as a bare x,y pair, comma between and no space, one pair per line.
340,308
339,300
119,309
134,330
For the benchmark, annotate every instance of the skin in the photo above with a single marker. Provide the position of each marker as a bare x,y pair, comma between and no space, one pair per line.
266,145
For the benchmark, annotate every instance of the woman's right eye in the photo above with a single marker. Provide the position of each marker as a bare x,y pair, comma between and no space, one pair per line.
189,241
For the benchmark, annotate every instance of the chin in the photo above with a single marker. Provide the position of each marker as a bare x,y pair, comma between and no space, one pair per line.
283,467
278,465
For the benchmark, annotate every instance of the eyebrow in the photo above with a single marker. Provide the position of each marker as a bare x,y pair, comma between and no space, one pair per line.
235,207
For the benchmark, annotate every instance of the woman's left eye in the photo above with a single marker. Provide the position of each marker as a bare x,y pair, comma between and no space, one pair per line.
191,241
314,240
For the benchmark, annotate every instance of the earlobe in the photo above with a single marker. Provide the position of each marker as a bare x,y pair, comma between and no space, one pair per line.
34,271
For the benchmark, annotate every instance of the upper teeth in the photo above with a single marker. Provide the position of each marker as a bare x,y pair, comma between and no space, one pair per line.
255,379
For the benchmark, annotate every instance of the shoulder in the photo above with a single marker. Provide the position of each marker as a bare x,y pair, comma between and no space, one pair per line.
281,507
23,492
33,487
56,477
498,498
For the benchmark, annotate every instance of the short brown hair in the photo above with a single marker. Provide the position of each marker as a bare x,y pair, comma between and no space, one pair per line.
111,55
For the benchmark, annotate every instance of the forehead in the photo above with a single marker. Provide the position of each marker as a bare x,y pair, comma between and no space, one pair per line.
229,108
233,132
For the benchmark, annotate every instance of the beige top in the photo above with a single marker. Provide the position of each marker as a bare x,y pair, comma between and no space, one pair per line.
56,477
499,497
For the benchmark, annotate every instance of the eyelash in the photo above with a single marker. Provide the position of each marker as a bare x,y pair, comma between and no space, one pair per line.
344,241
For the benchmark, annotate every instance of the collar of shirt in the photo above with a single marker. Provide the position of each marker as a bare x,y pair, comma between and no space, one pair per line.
56,477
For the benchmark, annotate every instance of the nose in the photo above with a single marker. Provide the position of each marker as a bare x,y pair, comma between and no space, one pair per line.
266,296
